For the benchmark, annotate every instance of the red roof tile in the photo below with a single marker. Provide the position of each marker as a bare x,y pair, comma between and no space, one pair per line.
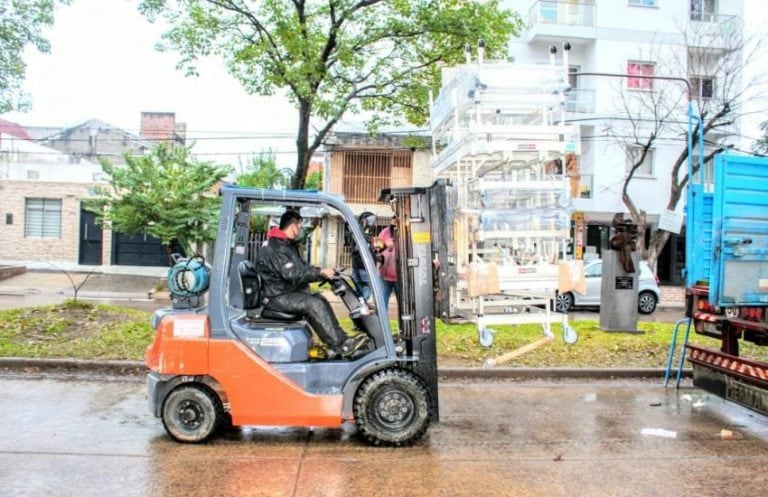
13,129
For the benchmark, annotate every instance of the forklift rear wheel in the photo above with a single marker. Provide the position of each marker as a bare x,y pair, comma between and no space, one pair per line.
192,413
392,408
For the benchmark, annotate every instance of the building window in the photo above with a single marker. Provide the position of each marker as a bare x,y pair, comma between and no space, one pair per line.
644,3
367,172
633,155
32,174
636,70
706,175
42,218
702,87
703,10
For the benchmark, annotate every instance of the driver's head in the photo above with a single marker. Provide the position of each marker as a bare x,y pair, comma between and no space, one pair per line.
290,224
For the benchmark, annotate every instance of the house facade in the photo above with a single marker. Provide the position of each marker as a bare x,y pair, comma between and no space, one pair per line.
40,204
636,38
357,167
43,185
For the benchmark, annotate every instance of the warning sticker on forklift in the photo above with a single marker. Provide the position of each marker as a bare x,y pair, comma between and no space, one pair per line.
189,328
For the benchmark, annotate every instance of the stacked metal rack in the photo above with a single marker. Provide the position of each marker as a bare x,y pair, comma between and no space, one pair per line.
502,143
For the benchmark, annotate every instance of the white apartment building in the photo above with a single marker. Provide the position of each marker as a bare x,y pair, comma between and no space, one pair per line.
641,38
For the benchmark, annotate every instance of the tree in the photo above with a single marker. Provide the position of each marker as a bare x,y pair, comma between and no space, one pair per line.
166,193
315,181
264,173
760,146
714,55
21,24
335,56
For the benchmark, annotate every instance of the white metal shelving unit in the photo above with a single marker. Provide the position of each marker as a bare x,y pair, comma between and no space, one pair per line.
501,140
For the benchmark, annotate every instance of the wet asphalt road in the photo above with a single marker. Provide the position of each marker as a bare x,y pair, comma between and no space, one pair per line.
94,437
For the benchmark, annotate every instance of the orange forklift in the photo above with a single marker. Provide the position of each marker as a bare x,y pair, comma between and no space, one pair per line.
233,362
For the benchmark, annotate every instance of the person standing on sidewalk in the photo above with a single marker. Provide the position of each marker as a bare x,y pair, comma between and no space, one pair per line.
387,258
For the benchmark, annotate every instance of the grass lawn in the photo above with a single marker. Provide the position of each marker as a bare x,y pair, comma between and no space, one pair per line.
83,330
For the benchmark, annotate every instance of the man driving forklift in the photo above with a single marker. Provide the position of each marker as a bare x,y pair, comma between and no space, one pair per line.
285,288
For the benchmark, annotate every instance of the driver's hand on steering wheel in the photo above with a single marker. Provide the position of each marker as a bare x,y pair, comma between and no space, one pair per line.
328,273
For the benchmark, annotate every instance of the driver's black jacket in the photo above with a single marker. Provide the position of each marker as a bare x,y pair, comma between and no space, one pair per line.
281,267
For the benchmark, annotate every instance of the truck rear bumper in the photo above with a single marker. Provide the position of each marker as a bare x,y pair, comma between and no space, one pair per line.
732,378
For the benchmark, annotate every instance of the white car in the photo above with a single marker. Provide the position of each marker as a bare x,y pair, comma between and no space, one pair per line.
648,291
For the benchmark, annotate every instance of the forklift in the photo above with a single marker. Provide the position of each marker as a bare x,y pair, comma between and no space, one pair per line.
233,362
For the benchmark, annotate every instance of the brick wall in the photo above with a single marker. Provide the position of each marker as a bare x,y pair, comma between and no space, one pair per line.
158,126
14,246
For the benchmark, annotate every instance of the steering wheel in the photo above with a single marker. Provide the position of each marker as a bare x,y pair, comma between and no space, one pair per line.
338,273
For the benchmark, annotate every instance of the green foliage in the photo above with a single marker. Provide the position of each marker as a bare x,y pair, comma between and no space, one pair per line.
264,173
335,56
78,330
314,181
167,194
21,25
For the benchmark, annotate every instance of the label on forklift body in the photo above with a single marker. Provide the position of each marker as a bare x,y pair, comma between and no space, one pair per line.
188,328
422,237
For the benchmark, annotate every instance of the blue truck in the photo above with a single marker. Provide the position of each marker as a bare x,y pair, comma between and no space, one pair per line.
727,277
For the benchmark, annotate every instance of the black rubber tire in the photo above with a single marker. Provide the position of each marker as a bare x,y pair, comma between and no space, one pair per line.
192,413
392,407
563,302
646,302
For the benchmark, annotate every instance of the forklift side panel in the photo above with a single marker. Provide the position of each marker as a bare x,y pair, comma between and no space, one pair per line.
180,346
259,395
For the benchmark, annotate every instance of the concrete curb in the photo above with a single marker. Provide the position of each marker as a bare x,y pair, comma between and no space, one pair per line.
134,368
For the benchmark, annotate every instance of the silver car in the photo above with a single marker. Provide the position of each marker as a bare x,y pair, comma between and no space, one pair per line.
648,291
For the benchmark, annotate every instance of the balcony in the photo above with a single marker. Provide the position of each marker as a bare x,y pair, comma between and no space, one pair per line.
713,30
580,101
581,186
551,20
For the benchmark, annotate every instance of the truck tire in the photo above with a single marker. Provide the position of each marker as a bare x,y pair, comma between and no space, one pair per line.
392,407
192,413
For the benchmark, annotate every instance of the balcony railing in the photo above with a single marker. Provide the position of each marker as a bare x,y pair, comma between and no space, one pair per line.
709,24
582,101
566,13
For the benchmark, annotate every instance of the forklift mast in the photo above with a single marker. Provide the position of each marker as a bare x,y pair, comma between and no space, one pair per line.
418,219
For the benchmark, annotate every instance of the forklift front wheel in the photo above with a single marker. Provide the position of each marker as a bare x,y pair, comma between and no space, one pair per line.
392,408
192,413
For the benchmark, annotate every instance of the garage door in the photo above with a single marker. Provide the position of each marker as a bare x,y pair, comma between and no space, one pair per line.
138,250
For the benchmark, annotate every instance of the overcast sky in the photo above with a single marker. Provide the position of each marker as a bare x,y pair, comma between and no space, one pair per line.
103,65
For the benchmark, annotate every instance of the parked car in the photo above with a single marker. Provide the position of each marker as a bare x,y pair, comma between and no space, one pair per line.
648,291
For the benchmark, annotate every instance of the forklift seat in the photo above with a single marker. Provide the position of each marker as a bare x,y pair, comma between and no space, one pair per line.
250,281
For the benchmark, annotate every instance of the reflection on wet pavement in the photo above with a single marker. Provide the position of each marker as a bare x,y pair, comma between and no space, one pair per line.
567,438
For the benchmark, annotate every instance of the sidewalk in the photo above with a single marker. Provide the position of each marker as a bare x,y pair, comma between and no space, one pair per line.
44,288
41,288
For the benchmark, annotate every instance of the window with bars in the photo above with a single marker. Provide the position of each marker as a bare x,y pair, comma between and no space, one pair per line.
367,172
636,70
42,218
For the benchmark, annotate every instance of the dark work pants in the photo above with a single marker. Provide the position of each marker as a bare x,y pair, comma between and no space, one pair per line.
316,310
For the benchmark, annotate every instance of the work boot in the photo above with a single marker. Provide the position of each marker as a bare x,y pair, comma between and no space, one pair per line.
356,346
